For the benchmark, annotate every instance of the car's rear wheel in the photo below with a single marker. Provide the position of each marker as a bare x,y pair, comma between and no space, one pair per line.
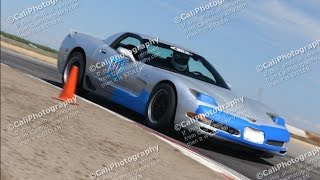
75,59
161,108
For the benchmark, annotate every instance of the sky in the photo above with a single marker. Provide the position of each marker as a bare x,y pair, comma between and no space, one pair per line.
259,32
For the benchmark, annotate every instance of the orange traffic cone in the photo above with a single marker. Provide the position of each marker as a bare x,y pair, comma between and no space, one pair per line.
70,86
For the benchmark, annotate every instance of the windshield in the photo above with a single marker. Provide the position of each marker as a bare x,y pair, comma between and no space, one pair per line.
183,62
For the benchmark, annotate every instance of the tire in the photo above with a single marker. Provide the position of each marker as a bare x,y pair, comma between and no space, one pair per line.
161,107
75,59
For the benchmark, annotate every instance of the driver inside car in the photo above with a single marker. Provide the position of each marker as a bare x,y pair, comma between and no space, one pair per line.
179,61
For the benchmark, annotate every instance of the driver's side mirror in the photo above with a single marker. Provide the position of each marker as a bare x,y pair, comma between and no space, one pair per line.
126,52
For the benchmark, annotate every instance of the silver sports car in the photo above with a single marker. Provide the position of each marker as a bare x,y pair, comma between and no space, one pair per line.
174,88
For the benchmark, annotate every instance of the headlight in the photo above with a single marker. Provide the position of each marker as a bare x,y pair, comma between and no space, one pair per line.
203,97
253,135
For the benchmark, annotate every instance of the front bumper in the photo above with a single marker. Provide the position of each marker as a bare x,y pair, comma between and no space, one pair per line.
274,138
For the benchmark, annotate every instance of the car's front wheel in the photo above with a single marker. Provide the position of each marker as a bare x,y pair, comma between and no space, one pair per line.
75,59
160,111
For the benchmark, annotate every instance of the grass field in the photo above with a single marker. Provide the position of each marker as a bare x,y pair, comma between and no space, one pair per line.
28,45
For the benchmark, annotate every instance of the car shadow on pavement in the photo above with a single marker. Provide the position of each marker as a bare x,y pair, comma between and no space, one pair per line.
233,150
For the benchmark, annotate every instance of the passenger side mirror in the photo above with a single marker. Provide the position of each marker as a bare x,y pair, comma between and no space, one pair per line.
229,85
126,52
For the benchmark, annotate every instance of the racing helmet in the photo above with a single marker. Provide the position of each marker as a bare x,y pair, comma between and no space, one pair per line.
179,61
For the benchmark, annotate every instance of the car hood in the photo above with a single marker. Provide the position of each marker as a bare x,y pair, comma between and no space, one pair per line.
254,109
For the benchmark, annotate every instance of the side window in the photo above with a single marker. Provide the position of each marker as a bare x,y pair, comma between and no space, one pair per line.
130,41
157,56
159,52
197,66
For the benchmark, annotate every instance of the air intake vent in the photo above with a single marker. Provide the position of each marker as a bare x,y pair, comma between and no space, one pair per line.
225,128
275,143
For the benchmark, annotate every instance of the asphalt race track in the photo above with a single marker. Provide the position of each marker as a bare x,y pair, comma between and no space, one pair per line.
228,154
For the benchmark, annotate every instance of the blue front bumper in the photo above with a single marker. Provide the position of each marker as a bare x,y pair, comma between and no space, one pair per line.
273,134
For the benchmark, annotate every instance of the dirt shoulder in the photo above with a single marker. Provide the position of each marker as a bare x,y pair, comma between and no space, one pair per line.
71,143
28,50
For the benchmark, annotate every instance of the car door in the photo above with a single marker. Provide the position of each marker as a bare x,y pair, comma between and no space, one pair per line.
125,89
101,60
118,74
125,69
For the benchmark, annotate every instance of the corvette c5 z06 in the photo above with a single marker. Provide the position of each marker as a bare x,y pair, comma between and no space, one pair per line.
172,86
